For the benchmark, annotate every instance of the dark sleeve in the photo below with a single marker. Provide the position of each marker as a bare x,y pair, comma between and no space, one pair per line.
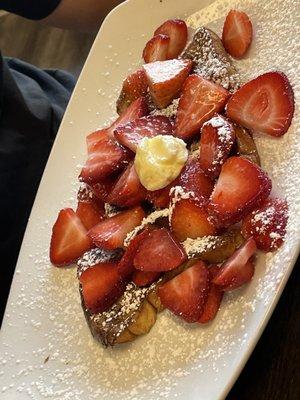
32,9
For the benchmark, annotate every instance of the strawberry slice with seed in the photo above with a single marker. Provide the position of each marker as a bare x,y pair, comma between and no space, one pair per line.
177,31
159,252
217,138
89,213
143,278
134,87
110,233
101,287
265,104
132,133
199,101
165,79
267,224
186,294
238,269
128,190
191,220
105,158
69,238
102,188
156,49
237,33
242,186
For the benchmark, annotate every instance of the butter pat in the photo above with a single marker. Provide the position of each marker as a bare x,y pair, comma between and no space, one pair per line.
159,160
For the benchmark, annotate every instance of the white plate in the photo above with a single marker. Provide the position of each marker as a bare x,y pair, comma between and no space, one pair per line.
44,318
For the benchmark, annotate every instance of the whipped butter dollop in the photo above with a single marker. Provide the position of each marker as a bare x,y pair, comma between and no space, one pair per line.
159,160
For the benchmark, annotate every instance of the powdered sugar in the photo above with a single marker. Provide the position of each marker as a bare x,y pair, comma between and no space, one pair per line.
194,247
169,111
97,256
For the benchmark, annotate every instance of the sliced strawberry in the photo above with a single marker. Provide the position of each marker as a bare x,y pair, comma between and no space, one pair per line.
134,86
241,187
185,295
131,134
217,138
165,79
265,104
106,157
137,109
142,278
161,198
159,252
102,188
101,286
237,33
193,179
214,298
199,101
267,224
128,190
238,269
90,213
191,220
125,266
177,31
69,238
110,233
156,49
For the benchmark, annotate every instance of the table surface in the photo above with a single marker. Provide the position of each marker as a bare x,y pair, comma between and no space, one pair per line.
273,370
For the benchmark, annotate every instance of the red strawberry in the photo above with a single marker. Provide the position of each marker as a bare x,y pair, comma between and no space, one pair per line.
185,295
237,33
199,101
128,190
137,109
177,31
217,138
242,186
193,179
89,213
131,134
142,278
125,266
159,252
134,86
106,157
265,104
156,49
69,238
238,269
161,198
101,286
214,298
102,188
191,220
110,233
165,79
267,224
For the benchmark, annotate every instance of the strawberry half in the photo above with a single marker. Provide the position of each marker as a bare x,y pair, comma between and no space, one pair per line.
132,133
267,224
191,220
177,31
156,49
110,233
199,101
128,190
134,86
192,178
186,294
142,278
160,198
214,298
217,138
69,238
90,213
105,157
165,79
101,286
238,269
237,33
241,187
102,188
159,252
265,104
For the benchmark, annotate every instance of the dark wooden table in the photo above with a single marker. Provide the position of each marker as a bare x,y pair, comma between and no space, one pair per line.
273,370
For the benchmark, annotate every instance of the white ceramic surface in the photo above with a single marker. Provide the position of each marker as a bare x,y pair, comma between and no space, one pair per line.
46,349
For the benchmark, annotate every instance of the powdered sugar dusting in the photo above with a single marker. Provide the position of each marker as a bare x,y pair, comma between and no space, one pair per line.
169,111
